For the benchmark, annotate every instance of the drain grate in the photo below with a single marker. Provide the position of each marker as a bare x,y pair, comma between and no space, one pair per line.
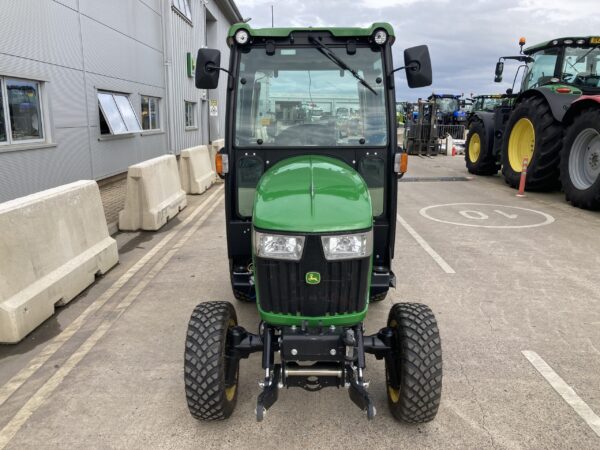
433,179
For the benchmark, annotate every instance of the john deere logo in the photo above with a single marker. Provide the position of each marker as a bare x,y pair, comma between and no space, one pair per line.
313,277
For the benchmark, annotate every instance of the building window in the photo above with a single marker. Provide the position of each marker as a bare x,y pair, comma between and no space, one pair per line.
190,115
3,132
150,113
183,8
20,111
116,114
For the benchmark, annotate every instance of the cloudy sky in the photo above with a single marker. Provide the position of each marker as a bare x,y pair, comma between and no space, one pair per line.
465,37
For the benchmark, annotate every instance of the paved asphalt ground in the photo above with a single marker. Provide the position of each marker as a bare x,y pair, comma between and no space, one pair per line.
106,371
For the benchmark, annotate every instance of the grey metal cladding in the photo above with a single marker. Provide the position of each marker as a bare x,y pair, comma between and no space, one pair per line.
115,55
30,171
134,19
40,30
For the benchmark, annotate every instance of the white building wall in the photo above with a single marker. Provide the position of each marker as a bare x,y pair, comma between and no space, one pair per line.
77,47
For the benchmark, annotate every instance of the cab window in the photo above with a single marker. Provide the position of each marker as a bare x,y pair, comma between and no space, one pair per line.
249,169
372,169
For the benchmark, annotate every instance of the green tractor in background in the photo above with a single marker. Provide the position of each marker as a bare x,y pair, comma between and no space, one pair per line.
310,217
553,122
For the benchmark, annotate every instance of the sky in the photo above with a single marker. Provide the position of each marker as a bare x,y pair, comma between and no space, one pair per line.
465,37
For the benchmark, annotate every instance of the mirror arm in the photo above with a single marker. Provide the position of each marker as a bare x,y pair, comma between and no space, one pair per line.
412,65
210,67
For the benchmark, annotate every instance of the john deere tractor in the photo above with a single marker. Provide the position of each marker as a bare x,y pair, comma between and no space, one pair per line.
553,123
310,216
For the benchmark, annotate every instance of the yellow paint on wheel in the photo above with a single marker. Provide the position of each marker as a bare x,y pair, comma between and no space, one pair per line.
230,392
474,148
521,143
394,394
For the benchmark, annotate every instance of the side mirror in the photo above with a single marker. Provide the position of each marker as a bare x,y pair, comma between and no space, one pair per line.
499,70
208,64
418,66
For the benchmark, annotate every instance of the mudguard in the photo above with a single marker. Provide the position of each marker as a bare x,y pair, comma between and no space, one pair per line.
559,102
583,102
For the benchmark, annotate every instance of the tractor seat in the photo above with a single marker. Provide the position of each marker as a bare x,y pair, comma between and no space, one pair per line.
307,134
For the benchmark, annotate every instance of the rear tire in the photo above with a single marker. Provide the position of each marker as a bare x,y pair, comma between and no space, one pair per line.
580,160
479,157
209,396
542,171
414,369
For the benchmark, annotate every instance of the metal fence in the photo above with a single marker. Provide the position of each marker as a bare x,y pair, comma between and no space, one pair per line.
456,131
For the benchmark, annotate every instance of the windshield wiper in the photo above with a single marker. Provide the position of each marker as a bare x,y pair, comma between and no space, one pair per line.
340,63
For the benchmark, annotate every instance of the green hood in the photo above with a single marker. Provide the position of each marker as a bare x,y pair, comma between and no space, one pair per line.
312,194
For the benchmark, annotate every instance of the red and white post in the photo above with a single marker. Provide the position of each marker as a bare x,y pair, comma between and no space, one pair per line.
521,192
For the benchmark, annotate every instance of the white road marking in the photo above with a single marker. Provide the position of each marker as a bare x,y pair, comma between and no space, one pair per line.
56,343
474,215
564,390
44,392
508,216
547,219
423,243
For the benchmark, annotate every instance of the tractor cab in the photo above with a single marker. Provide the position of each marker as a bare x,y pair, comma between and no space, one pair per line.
447,107
488,102
569,61
571,64
310,92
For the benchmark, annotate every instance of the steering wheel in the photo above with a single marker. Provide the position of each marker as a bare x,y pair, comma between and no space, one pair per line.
568,77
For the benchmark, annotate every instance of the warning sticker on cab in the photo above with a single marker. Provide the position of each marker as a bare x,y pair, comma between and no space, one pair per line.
595,40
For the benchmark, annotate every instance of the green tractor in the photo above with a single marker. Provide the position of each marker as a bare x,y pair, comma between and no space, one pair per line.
310,215
552,124
489,102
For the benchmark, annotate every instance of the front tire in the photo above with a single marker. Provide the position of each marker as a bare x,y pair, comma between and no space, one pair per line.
580,160
479,158
210,396
532,133
414,369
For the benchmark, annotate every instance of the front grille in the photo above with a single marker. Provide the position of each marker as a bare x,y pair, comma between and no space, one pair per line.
282,287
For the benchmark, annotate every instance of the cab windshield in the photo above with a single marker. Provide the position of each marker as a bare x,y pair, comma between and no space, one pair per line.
541,70
581,67
487,103
300,97
447,105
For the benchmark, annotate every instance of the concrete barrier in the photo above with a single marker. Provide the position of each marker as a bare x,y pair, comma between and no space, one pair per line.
154,194
400,136
213,149
52,244
195,170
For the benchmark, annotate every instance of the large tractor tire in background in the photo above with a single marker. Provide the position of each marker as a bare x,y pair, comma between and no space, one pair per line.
580,160
532,133
478,151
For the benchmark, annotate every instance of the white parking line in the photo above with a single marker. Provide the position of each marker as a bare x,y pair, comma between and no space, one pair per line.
423,243
564,390
56,343
46,390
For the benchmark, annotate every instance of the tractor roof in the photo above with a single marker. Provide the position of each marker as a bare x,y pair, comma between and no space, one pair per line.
445,96
564,41
335,31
